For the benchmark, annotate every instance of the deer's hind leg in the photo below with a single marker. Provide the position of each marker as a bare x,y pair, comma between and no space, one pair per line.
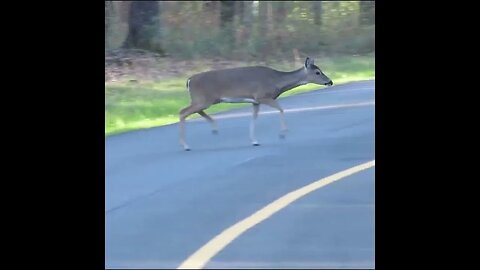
209,119
184,113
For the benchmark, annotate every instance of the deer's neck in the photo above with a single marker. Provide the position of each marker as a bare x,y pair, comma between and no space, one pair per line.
290,80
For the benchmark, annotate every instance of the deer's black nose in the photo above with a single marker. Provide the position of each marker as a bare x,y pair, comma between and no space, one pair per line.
329,83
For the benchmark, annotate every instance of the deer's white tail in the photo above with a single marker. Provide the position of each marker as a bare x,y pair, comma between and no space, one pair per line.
188,85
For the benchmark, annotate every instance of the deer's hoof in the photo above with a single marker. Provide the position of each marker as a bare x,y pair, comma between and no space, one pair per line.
255,144
214,131
281,136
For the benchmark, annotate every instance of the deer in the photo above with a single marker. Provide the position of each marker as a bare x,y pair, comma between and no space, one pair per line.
254,84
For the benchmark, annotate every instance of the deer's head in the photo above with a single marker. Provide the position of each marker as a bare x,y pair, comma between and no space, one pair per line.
314,74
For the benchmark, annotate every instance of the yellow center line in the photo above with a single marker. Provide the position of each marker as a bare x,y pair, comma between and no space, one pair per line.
203,255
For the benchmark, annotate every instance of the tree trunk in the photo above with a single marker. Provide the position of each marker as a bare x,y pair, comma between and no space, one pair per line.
317,12
281,12
144,24
122,8
247,13
269,17
263,26
211,11
239,11
107,16
243,10
239,27
227,12
367,12
279,32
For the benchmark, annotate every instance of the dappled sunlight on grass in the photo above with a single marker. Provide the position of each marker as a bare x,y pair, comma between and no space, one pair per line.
141,124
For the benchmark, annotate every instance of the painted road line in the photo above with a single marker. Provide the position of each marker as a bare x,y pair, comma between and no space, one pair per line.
203,255
326,107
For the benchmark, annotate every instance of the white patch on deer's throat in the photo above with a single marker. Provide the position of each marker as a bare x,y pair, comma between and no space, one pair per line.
237,100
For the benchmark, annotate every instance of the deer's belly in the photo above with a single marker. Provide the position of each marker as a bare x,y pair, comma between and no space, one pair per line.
237,100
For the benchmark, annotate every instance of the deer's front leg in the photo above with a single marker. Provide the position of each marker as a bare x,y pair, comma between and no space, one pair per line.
256,108
274,104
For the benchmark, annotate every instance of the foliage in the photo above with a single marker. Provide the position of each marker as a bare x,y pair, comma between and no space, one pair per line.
251,29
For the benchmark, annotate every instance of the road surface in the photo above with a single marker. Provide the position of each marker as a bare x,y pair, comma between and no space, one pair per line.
162,203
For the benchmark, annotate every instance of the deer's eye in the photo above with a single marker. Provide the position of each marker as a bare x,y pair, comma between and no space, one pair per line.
318,73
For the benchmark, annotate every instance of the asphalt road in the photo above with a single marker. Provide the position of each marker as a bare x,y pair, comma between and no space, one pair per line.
162,203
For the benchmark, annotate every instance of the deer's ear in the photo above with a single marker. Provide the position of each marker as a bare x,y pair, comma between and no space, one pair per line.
308,62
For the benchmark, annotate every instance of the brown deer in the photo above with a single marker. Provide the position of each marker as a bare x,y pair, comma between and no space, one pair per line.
256,85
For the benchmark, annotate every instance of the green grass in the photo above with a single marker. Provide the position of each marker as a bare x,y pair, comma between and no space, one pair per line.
131,106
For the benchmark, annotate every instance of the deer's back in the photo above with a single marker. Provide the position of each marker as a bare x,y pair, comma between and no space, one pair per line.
234,82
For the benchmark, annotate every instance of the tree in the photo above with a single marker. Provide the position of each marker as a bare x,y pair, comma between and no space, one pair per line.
106,22
144,24
227,11
243,28
367,12
280,12
108,15
247,12
317,12
240,11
